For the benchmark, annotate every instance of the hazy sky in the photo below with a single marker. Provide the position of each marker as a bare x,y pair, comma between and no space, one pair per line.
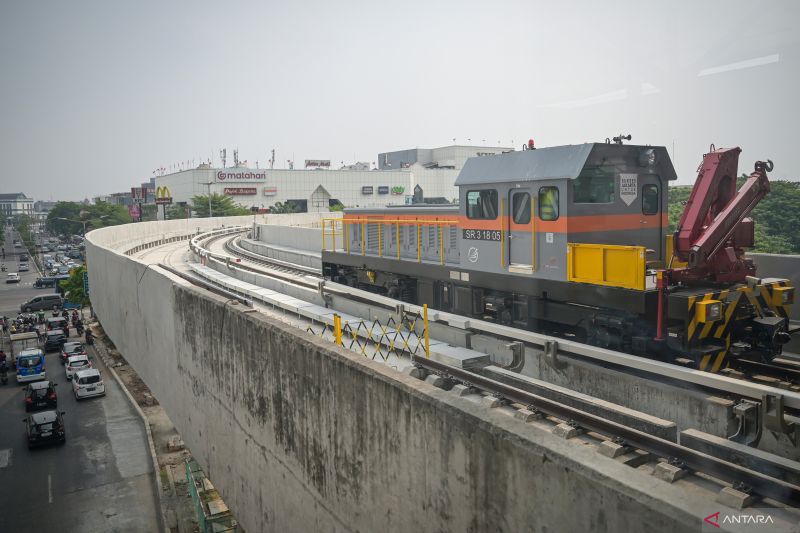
96,95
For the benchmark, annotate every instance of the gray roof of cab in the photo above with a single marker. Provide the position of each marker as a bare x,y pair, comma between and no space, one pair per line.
556,162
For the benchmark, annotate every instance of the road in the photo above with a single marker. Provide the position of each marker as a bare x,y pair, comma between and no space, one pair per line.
101,480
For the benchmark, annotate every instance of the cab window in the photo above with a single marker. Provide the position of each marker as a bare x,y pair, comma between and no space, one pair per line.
521,207
650,201
594,186
548,203
482,205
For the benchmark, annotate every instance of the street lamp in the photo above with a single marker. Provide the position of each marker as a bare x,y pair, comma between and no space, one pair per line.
81,221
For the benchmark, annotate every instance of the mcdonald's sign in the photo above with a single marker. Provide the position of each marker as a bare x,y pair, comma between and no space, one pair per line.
163,195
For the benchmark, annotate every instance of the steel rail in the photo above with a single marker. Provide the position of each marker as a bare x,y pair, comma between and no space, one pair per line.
761,484
206,285
235,248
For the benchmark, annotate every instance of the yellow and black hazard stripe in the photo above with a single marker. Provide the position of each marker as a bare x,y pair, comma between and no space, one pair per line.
696,332
767,292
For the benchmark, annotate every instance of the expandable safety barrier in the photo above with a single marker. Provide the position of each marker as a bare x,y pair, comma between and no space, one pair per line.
380,339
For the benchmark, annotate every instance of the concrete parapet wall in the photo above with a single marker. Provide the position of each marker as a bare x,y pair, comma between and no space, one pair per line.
284,253
309,239
299,435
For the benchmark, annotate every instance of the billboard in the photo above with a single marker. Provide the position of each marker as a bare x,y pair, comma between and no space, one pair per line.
163,195
270,191
241,175
239,191
318,163
138,195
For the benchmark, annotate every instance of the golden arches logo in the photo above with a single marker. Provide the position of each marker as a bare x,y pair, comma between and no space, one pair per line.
163,192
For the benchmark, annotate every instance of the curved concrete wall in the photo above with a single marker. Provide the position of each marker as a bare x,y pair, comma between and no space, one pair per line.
299,435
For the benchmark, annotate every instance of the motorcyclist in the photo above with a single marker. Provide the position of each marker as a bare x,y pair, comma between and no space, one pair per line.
65,314
40,317
3,372
89,337
79,326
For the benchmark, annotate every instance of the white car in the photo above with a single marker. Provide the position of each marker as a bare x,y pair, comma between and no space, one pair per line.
23,267
12,277
87,383
75,363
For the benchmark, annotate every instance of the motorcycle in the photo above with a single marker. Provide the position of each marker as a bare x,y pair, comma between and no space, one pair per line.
3,268
3,373
89,338
79,329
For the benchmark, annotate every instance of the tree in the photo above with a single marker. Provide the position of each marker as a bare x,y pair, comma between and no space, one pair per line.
281,208
73,287
177,211
221,206
96,216
777,216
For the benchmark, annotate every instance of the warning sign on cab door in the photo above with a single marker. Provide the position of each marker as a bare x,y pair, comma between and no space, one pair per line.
628,185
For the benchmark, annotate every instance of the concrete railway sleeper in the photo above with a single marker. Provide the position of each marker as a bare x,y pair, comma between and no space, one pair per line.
746,479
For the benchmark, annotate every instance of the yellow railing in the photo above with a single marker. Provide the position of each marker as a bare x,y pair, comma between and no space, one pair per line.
331,227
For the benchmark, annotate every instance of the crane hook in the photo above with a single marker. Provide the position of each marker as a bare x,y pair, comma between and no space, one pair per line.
762,166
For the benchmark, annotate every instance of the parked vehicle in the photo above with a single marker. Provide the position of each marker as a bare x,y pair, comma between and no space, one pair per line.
12,277
74,254
72,348
43,302
21,342
44,427
87,383
41,395
30,366
58,322
75,363
54,340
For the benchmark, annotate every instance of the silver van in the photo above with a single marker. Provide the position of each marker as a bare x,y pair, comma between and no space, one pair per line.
42,303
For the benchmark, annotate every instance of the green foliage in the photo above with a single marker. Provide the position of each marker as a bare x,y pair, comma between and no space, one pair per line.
777,216
337,207
73,287
221,206
176,211
96,216
281,208
149,212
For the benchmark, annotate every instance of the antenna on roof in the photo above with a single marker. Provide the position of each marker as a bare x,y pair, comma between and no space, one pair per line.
223,154
236,157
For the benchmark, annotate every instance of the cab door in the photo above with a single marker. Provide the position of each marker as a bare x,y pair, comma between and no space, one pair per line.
650,233
521,203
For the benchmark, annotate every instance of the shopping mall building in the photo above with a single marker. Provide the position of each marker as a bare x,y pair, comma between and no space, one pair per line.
316,187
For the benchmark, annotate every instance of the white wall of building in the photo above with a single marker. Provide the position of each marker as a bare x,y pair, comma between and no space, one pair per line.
281,185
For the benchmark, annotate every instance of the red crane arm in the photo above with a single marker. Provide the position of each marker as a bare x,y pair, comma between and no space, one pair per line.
713,190
722,228
714,212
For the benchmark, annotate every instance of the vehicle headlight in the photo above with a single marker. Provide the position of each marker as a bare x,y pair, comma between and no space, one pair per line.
709,311
647,158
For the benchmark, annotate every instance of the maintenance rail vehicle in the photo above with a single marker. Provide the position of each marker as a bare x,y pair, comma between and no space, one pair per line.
574,241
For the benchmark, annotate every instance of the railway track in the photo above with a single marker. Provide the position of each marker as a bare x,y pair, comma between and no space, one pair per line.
656,450
745,480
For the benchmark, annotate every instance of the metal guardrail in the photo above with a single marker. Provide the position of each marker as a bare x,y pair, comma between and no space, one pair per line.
204,496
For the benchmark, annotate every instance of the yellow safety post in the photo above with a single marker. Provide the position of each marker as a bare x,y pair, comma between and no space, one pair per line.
362,237
397,237
333,233
427,337
337,329
419,234
380,241
346,234
323,234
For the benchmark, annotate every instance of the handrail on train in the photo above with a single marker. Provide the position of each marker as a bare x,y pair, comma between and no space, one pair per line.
338,226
